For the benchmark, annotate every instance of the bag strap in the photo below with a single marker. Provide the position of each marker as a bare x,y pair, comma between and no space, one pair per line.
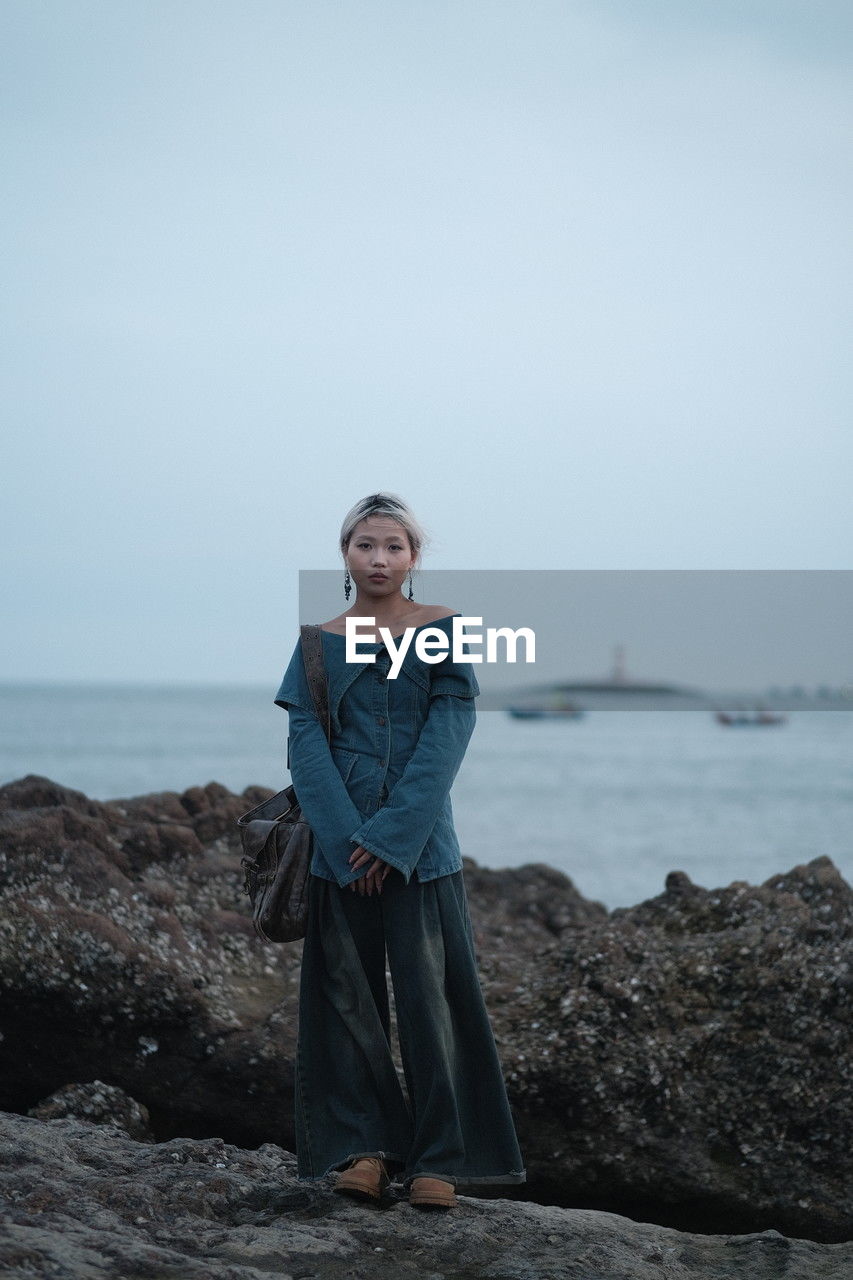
315,670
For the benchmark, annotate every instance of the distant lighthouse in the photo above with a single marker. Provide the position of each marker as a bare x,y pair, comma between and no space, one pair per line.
619,676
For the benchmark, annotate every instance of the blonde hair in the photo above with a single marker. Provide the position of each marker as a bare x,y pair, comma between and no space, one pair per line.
385,504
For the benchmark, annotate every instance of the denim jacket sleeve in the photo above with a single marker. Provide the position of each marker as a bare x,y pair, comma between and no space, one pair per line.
398,831
319,787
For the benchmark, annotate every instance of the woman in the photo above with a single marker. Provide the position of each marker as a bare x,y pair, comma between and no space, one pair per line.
386,879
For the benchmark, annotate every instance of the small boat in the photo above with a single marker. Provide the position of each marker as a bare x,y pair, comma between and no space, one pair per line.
760,716
558,711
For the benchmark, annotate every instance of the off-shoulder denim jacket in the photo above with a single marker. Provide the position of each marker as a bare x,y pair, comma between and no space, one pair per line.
396,746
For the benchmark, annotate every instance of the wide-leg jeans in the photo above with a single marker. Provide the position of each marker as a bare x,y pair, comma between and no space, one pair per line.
453,1121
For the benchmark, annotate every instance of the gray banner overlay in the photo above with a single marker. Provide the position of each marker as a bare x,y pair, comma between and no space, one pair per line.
736,640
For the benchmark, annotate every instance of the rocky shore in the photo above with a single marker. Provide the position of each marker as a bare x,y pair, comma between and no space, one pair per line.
685,1062
86,1202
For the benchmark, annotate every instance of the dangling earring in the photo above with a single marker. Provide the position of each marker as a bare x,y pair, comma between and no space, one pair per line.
347,584
411,593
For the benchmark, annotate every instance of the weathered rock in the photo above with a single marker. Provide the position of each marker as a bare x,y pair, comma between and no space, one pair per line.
98,1103
127,953
691,1057
85,1202
687,1060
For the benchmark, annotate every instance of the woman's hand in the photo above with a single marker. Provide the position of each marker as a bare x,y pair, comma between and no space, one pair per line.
373,876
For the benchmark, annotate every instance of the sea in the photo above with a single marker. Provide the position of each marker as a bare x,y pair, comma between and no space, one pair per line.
615,800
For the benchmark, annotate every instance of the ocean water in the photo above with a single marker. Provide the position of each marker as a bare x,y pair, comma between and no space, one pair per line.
615,800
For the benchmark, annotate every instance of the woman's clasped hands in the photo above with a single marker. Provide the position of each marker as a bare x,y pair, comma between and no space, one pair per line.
373,876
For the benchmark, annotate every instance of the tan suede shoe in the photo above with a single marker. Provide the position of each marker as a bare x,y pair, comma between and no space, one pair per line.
432,1193
365,1179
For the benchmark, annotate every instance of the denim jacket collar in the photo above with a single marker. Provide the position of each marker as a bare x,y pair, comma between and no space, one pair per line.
341,673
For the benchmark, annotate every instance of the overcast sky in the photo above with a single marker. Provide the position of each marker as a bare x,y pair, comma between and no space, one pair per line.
572,278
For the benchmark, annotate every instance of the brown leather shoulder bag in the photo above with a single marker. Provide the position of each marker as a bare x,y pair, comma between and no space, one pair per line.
277,840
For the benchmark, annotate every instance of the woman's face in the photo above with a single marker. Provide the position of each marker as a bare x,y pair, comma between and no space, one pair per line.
379,556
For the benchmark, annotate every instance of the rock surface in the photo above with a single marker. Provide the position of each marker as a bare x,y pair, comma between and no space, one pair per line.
686,1061
692,1057
98,1103
85,1202
127,953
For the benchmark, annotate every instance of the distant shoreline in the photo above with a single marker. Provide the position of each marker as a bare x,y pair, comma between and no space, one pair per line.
603,697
